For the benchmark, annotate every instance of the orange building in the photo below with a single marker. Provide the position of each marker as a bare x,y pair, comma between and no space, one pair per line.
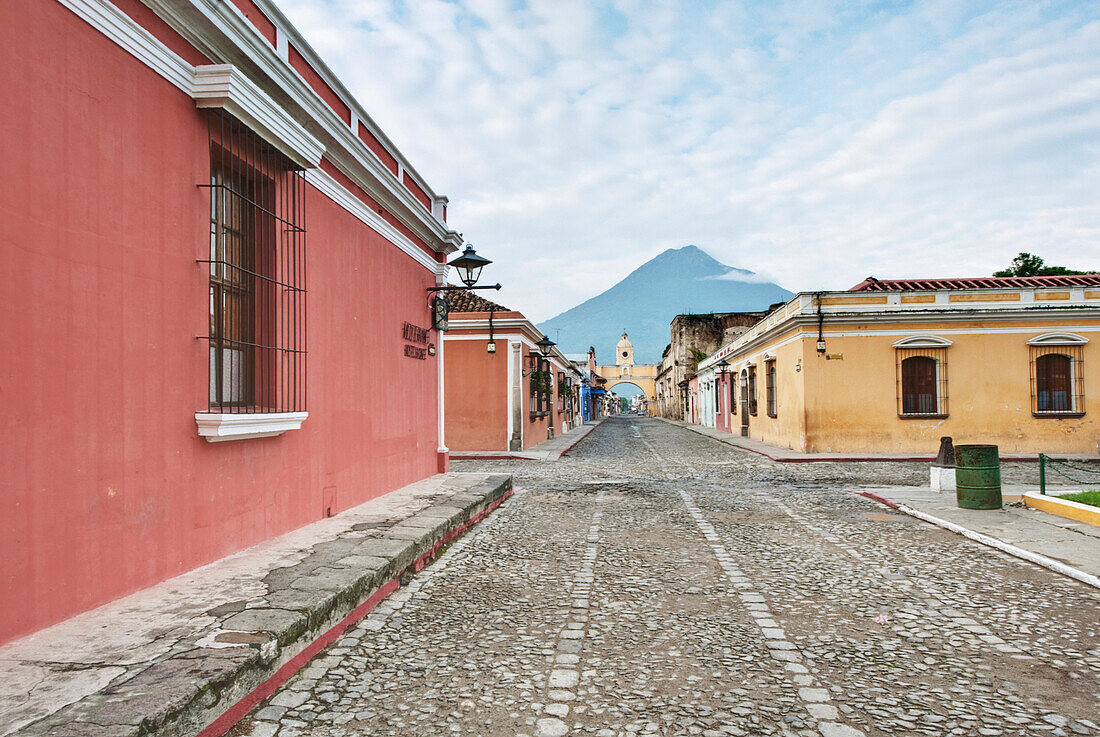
501,392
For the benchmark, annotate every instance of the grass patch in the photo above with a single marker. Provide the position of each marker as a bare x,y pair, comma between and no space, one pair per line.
1085,497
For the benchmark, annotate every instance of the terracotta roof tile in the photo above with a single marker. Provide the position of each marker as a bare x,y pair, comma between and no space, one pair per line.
467,301
871,284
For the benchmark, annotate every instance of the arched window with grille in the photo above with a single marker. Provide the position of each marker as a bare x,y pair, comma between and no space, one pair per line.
1057,375
922,376
918,386
769,383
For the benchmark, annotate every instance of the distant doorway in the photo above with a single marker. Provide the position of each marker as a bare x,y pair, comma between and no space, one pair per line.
744,404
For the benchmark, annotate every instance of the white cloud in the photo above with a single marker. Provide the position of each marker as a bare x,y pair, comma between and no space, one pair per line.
815,143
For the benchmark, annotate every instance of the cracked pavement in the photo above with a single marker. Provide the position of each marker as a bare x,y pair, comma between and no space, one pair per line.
656,582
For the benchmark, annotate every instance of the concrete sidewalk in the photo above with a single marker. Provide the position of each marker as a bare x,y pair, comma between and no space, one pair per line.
549,450
786,455
1074,544
193,654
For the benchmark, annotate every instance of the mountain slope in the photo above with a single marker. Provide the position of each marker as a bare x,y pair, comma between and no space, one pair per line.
679,281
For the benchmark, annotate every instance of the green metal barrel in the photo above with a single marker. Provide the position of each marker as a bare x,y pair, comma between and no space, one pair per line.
978,476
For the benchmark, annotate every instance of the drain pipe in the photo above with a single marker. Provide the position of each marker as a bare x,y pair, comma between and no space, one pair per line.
820,324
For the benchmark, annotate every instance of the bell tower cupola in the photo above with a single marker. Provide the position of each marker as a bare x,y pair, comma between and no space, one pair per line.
624,352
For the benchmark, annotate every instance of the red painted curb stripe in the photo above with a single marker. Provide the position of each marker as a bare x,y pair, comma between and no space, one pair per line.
237,712
574,444
489,457
875,497
427,557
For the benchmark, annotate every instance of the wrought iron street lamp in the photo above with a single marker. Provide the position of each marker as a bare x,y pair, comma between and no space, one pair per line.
469,266
545,346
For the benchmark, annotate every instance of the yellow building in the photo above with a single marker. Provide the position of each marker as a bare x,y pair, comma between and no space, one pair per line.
891,366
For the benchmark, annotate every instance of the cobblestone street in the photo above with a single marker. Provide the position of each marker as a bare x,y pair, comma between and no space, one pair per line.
656,582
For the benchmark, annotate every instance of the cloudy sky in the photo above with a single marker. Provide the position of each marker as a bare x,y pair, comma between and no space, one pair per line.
816,142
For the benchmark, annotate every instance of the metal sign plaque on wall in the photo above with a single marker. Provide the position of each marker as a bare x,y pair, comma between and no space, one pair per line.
440,313
418,336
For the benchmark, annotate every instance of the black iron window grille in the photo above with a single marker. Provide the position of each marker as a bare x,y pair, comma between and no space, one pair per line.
257,291
922,382
541,385
770,388
752,390
1057,380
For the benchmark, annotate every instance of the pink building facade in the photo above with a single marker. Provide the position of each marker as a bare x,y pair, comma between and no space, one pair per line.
212,257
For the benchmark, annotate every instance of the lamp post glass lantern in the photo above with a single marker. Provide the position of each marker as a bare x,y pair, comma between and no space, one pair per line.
545,346
469,266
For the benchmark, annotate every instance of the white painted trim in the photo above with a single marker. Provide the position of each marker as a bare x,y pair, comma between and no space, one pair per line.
134,39
328,186
508,386
1056,339
922,341
225,86
217,427
441,418
1041,560
282,45
810,333
945,331
120,28
222,33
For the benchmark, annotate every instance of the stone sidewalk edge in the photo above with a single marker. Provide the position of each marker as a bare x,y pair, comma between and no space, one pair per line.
518,455
1029,556
809,458
223,694
1076,511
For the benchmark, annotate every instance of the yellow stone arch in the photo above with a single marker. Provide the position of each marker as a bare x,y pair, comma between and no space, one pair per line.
643,376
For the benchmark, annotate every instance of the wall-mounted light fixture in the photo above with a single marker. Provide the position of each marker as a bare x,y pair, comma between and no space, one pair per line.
468,266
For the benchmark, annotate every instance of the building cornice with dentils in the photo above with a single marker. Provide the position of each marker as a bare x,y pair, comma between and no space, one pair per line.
221,32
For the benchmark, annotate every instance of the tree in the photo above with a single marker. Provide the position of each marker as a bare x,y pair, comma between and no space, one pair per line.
1028,264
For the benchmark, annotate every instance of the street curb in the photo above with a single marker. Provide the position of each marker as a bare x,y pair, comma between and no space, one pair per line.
213,697
1066,508
518,455
833,459
1030,557
577,442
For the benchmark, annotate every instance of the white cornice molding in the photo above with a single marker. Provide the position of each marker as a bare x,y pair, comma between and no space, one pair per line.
223,34
751,340
217,427
225,86
922,341
254,104
1058,339
120,28
328,186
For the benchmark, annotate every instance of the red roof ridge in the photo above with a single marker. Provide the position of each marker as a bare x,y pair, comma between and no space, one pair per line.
871,284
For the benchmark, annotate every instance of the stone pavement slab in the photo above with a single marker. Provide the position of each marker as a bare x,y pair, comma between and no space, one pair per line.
171,659
550,450
1075,544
